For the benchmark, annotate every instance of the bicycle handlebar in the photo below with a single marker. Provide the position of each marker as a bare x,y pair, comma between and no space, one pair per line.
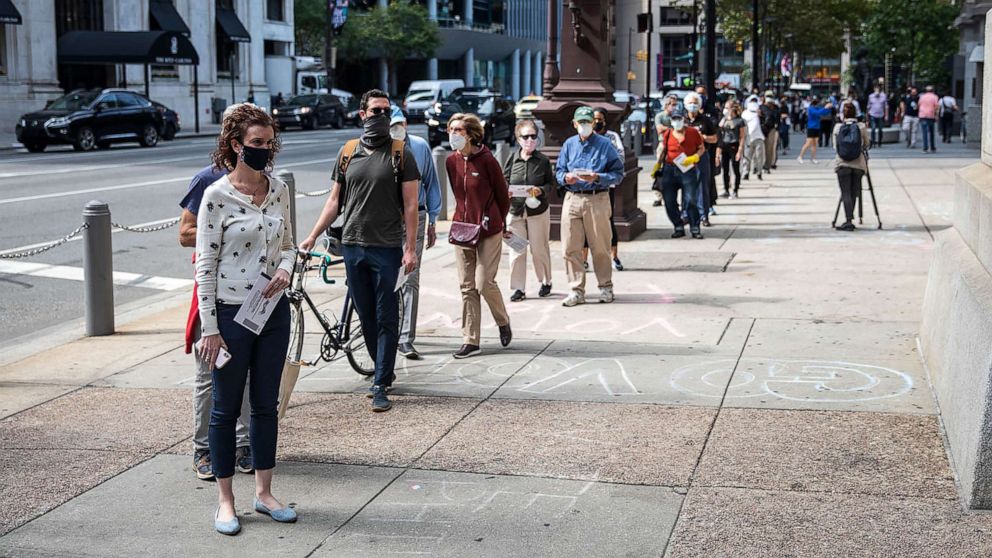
325,262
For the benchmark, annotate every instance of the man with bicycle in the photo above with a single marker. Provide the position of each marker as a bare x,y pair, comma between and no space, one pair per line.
375,188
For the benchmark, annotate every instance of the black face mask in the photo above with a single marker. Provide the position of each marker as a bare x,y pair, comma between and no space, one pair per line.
376,131
599,127
255,157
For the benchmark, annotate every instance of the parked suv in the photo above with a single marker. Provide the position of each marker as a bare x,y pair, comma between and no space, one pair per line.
495,112
88,119
310,112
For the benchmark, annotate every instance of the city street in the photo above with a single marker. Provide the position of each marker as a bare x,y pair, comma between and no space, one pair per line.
42,198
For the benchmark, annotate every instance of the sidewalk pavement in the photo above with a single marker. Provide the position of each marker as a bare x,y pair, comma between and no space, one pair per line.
755,393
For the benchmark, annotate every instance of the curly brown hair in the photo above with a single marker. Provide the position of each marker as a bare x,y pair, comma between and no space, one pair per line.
237,120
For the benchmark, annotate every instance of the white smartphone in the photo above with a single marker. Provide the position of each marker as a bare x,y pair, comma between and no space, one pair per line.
223,357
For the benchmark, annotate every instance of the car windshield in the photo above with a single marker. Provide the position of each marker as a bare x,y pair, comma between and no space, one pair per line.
473,103
420,95
303,100
73,101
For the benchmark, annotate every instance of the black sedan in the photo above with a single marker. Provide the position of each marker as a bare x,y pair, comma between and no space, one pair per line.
496,113
170,121
90,119
310,112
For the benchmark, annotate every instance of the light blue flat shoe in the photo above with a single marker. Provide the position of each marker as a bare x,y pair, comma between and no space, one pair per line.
284,515
231,528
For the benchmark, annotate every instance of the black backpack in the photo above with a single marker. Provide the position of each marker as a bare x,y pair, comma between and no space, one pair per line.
849,142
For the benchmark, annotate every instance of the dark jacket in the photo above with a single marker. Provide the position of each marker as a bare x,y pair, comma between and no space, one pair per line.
535,171
478,183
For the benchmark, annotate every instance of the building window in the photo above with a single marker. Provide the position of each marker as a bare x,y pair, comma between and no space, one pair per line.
227,57
275,10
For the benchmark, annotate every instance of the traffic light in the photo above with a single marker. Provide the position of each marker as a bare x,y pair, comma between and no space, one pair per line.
644,23
641,56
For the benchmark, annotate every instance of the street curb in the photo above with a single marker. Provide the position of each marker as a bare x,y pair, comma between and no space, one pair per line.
180,135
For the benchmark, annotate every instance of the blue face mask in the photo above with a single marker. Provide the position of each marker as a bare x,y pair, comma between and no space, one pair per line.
691,107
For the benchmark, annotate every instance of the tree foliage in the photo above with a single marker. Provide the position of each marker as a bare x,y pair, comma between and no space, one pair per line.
810,28
310,21
400,31
920,35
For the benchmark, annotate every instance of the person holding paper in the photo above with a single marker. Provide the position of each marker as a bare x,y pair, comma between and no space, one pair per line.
243,239
588,166
530,216
681,148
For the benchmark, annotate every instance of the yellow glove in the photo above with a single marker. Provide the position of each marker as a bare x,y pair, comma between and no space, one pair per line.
692,159
656,170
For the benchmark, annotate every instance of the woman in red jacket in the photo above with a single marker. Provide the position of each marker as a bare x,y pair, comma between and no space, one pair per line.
482,199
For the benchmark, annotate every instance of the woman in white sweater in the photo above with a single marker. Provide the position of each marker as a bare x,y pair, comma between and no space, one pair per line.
242,240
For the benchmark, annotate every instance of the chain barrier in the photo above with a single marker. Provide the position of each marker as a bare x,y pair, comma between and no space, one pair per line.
162,227
316,194
45,248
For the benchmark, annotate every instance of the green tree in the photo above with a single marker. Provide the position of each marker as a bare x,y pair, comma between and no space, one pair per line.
920,35
809,28
400,31
310,22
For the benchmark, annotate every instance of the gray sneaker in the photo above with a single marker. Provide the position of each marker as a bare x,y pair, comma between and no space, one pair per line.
202,466
243,460
380,403
606,295
574,299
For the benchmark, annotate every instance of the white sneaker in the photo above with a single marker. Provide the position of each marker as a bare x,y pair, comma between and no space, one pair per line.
800,159
574,299
815,162
606,295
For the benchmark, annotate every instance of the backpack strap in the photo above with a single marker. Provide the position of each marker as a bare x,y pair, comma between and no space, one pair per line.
346,154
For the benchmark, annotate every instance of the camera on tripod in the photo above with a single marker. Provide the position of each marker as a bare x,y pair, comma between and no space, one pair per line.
860,198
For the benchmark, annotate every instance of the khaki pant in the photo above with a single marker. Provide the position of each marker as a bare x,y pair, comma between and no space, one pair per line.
587,216
771,148
477,274
537,230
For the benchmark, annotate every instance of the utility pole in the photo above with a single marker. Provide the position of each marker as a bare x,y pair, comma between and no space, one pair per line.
693,48
647,83
329,45
755,46
709,71
630,61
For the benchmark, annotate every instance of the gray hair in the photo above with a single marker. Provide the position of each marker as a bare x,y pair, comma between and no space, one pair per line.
689,97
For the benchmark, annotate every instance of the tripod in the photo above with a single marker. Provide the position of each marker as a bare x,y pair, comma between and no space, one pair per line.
861,200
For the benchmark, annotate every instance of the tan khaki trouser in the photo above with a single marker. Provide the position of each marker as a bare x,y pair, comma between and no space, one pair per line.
477,274
537,230
771,148
587,216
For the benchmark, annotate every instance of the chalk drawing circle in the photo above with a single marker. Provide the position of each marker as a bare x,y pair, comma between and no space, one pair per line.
799,380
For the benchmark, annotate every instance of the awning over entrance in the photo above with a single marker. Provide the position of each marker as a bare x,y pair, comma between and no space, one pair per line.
126,47
977,54
9,13
164,13
231,26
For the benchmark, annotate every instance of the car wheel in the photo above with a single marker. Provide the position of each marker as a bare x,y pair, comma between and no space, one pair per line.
311,123
149,136
85,139
339,121
170,132
35,147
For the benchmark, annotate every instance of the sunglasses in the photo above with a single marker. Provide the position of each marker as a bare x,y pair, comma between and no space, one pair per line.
528,136
376,110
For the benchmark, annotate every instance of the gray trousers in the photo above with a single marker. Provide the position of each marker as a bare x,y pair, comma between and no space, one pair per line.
203,403
411,290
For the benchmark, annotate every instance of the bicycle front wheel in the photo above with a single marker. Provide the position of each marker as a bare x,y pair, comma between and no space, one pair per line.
354,346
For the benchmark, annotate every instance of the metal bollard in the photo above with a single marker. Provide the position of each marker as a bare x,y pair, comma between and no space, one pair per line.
638,139
440,154
98,270
287,177
627,138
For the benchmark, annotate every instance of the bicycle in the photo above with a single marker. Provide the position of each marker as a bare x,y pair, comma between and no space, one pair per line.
342,335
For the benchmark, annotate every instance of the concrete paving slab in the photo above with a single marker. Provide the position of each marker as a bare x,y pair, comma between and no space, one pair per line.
330,428
18,397
33,481
437,373
634,444
103,419
842,340
467,515
175,512
732,523
864,453
171,370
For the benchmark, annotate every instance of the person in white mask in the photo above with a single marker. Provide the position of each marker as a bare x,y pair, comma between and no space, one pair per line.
530,215
754,155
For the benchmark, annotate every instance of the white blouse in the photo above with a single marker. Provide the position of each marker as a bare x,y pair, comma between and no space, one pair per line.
235,242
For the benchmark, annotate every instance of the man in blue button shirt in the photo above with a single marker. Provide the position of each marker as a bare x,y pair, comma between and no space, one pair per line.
429,201
587,166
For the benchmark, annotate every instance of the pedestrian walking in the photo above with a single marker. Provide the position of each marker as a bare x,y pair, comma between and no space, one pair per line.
428,209
599,126
948,106
376,183
203,379
243,242
681,140
929,105
733,137
878,113
588,165
827,120
771,115
662,122
785,125
909,110
530,217
482,200
695,118
850,141
813,115
754,153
